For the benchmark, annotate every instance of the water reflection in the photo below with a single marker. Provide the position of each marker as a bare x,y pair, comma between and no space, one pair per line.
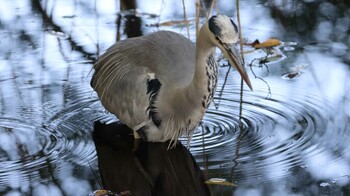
145,168
294,141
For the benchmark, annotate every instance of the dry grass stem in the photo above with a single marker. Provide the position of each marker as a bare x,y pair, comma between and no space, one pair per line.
185,17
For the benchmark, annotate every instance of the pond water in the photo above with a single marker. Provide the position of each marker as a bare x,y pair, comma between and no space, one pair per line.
295,131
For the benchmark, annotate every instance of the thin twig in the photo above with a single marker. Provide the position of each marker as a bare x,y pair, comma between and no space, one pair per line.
198,7
260,78
261,64
217,7
97,178
222,88
211,7
185,16
241,48
240,137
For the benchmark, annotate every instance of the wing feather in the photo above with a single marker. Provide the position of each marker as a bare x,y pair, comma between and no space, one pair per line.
121,73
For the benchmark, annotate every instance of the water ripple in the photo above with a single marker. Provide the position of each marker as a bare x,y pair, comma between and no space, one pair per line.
277,134
23,146
30,149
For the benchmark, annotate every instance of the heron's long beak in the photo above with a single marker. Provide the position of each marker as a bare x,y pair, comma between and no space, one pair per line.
231,53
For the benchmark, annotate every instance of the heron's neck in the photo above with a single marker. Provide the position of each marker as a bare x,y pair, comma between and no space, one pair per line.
204,81
192,101
204,51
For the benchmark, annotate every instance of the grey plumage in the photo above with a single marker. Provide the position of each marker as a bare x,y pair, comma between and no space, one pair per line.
160,85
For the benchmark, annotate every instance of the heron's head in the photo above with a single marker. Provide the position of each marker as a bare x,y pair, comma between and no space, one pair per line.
224,34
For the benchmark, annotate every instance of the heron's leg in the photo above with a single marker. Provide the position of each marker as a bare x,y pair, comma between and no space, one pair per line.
137,141
139,130
136,135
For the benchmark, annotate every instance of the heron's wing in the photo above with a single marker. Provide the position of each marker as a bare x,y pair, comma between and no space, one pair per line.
172,58
120,80
122,73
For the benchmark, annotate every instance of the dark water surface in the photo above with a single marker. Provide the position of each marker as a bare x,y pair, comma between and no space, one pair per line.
296,123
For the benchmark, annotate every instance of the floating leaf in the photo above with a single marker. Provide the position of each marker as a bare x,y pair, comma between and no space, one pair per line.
219,181
103,192
266,44
295,71
291,75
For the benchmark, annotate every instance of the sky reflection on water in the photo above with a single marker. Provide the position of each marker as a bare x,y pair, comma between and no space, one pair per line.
296,142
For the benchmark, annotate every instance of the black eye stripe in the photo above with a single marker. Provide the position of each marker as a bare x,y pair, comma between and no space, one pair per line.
216,30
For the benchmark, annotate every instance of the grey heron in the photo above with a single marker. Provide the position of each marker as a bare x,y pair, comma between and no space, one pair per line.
160,85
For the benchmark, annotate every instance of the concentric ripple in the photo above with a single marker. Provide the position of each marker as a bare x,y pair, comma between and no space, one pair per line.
29,150
23,146
275,136
277,133
73,125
